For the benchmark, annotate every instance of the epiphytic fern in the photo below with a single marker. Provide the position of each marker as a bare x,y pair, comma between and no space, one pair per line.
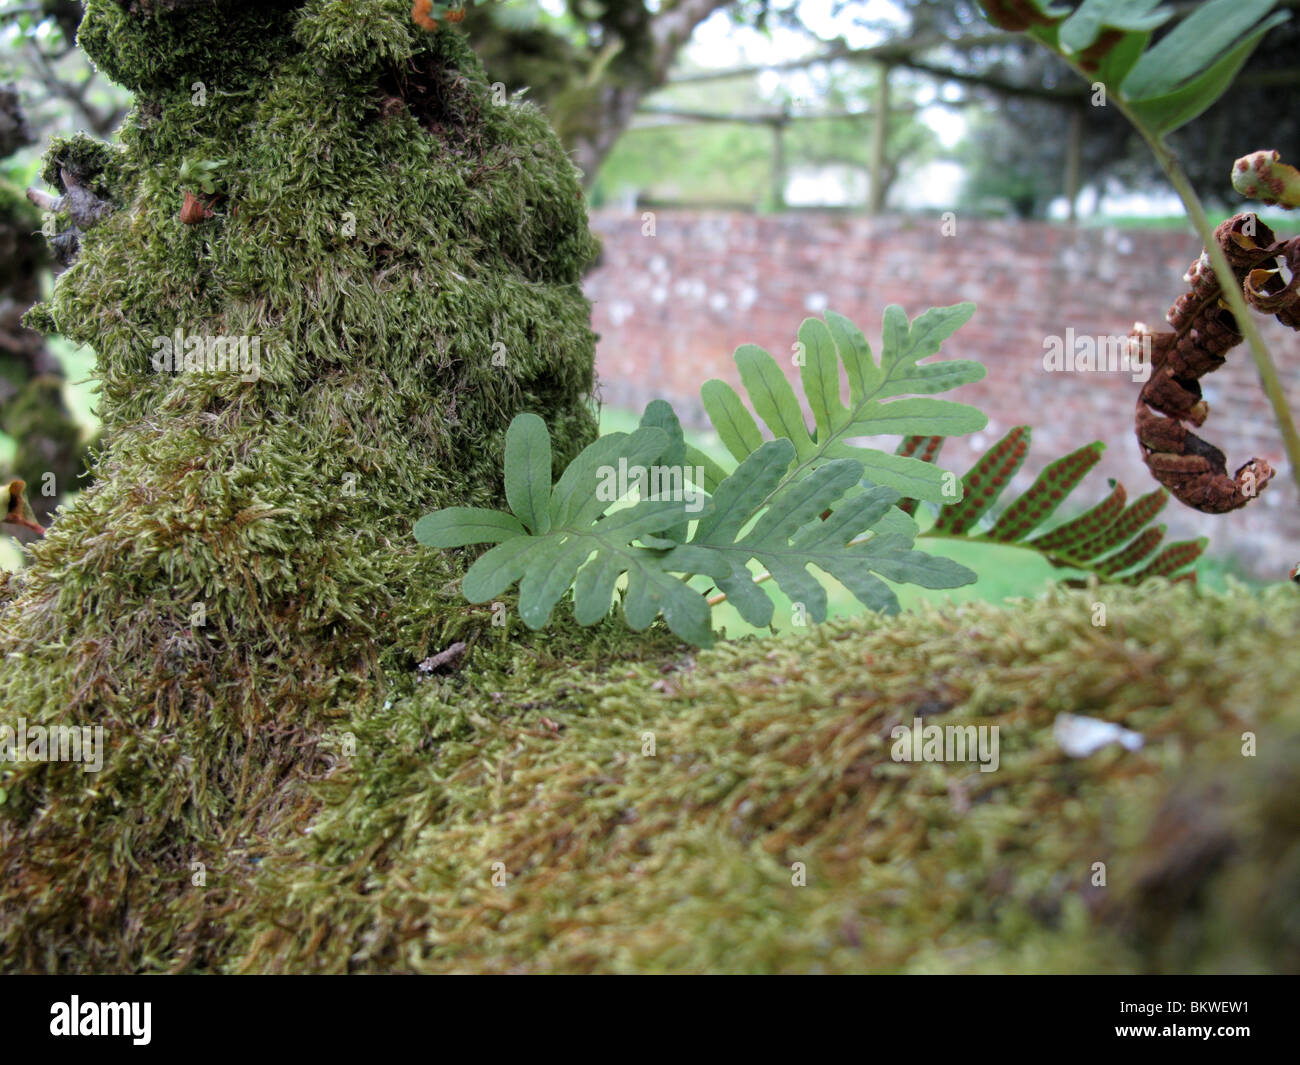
1114,539
587,535
1161,87
802,499
822,347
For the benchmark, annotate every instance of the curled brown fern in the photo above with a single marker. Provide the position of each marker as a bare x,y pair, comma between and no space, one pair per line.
1204,331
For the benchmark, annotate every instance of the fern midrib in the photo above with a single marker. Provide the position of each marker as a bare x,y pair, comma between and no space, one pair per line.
836,434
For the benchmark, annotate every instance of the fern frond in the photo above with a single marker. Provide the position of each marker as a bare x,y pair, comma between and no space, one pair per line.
1164,86
585,534
925,448
1172,559
789,537
823,347
1135,516
1088,526
561,537
1046,494
1139,548
984,481
1109,540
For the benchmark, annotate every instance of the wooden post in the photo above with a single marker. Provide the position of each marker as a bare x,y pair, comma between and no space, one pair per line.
879,140
779,173
1073,154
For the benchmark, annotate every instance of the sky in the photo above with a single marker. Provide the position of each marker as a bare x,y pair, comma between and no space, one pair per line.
719,43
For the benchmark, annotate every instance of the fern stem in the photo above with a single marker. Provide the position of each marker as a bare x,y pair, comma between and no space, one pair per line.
1264,366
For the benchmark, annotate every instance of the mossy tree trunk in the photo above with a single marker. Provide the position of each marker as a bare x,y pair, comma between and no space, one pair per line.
402,254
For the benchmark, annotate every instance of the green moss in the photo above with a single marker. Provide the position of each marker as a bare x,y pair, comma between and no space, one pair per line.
407,254
239,602
345,30
98,162
768,753
222,41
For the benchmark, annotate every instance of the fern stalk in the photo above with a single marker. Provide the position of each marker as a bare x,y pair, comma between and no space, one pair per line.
1231,289
1102,35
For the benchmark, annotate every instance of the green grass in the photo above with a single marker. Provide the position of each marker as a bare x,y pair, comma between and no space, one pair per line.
1281,224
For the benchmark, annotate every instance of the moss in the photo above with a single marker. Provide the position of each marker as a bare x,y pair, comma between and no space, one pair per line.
243,569
221,41
239,603
97,163
769,753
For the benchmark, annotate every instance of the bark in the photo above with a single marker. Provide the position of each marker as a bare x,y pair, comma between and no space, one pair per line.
591,97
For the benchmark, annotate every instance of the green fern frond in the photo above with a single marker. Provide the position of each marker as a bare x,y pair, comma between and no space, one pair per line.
1046,494
823,347
561,537
1136,515
783,508
1109,540
1141,547
1088,526
985,481
925,448
1166,85
1173,558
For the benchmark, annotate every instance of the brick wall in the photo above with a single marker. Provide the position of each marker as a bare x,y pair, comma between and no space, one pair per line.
671,308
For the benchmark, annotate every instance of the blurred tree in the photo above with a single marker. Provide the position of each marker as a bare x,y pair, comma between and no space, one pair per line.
591,69
63,89
49,452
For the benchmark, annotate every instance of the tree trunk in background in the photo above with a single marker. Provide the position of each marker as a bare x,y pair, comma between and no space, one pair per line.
592,95
50,453
879,145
